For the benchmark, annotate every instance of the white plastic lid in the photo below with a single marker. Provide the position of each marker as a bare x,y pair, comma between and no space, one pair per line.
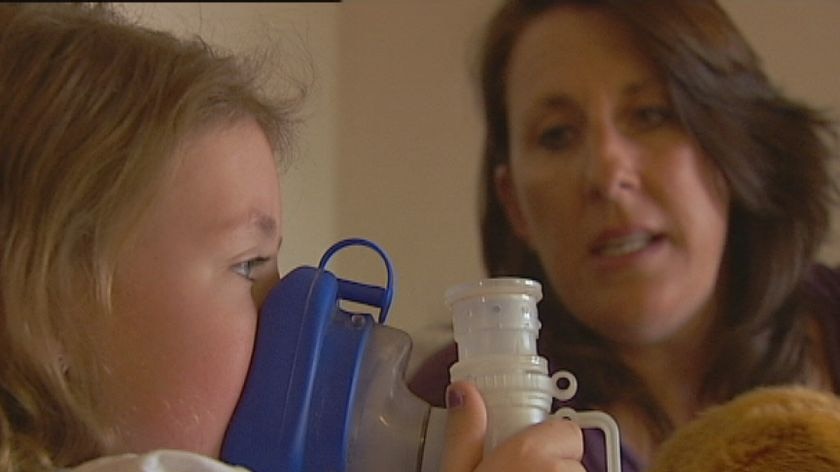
494,286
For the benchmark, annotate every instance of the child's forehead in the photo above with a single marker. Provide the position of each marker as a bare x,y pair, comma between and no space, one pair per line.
225,179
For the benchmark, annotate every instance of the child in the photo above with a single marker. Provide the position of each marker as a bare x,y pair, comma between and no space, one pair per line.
140,214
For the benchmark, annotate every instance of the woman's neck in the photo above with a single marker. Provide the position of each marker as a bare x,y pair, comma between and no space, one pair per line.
673,368
673,371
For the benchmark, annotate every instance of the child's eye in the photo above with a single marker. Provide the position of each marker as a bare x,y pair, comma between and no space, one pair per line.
246,268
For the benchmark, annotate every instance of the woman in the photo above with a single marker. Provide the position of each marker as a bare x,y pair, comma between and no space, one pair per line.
639,163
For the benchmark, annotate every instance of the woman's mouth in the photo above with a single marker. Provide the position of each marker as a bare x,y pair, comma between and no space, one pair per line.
624,245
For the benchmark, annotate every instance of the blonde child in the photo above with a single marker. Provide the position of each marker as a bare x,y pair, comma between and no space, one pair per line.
140,215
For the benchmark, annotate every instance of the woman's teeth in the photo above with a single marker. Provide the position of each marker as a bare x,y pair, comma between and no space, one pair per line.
626,245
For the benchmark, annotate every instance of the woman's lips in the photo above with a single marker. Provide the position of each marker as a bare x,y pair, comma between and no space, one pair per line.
622,243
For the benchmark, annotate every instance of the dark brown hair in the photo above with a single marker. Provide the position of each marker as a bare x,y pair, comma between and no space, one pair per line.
772,153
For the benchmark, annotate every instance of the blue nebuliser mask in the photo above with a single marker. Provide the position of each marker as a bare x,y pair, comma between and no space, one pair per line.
326,388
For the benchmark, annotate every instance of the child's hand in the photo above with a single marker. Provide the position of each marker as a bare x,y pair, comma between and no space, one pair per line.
554,445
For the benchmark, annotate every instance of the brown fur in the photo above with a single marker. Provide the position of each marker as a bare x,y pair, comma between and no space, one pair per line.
769,429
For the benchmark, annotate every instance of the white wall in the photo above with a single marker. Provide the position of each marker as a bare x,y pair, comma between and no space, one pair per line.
391,151
799,43
409,135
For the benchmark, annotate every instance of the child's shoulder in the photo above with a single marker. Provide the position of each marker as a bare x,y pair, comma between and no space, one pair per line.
156,461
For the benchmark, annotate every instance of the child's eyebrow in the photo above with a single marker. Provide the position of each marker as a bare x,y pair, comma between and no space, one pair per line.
253,222
266,224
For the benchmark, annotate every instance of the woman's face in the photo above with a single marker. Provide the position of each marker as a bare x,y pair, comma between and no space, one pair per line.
186,293
626,213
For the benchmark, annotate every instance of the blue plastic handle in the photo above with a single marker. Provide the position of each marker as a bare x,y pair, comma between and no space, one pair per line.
362,293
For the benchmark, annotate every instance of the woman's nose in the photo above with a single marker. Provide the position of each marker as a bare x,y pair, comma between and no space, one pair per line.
610,163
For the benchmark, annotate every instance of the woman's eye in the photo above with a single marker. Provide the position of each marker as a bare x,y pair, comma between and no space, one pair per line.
555,138
651,117
246,268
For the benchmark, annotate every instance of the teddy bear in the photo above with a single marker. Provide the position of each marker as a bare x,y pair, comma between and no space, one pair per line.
770,429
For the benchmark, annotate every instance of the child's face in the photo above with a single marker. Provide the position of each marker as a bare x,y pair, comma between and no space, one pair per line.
178,345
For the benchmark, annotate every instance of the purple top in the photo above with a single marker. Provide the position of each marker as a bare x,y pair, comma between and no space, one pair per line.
431,379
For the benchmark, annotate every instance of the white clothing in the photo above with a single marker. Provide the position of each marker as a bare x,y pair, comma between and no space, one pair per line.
156,461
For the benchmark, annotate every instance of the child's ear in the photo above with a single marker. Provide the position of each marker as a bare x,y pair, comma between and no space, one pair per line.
505,192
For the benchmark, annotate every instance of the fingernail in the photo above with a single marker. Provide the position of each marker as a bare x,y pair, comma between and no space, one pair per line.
454,398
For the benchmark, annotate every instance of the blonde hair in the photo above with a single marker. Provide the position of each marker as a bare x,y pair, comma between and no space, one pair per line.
93,108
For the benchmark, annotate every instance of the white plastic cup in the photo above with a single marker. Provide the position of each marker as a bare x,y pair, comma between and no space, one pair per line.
496,326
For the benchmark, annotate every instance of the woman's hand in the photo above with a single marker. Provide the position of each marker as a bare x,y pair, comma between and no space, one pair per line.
553,445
